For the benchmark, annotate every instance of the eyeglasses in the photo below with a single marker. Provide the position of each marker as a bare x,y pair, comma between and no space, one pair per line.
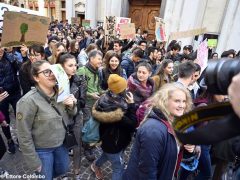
46,72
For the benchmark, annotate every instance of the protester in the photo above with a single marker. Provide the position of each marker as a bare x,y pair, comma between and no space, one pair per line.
155,149
115,111
78,87
83,58
111,66
40,124
57,49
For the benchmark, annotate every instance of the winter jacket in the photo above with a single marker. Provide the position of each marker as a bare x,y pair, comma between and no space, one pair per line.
140,93
128,65
154,153
160,80
82,58
92,78
117,122
8,74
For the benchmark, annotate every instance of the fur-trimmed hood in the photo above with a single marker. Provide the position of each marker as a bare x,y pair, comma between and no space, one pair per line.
107,116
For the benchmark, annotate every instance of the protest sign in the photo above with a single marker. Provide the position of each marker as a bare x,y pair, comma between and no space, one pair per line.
121,20
6,7
63,82
185,34
212,43
21,28
160,30
75,20
202,55
86,23
109,28
127,31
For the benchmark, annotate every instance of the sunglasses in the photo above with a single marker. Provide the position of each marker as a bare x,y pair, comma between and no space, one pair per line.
46,72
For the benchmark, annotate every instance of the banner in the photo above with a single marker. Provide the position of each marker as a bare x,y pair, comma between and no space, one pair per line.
185,34
109,28
21,28
75,20
202,55
127,31
212,43
63,82
86,23
160,30
121,20
5,7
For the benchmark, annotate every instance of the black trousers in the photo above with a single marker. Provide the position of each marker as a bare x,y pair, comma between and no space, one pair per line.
2,147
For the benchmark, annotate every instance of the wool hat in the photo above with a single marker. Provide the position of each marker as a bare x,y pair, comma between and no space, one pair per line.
116,83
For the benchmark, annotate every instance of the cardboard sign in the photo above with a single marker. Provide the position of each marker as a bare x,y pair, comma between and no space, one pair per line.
6,7
109,28
86,23
63,82
75,20
127,31
160,30
185,34
121,20
20,28
202,55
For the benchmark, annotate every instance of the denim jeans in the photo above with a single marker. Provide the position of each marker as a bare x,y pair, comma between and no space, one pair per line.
55,161
116,161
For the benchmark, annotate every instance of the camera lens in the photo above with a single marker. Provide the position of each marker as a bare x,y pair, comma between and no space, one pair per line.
219,74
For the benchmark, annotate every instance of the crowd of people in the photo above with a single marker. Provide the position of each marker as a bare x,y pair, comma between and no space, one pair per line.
132,89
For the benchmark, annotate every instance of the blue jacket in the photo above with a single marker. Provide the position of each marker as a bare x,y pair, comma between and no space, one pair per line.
128,65
8,74
154,153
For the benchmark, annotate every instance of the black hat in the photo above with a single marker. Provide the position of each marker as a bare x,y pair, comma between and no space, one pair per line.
53,38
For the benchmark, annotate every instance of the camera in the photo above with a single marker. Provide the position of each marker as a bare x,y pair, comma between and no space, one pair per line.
219,74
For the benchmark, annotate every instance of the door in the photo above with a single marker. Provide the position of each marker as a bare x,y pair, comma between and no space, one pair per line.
143,16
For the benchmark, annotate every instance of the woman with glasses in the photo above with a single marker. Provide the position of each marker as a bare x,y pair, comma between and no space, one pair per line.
36,53
78,87
40,124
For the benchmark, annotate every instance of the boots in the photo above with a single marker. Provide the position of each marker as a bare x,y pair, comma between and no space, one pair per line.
88,152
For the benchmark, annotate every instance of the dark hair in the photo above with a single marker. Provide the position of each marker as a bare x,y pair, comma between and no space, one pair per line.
145,32
137,29
151,50
119,42
163,65
171,45
37,49
214,54
227,53
67,45
145,64
138,52
198,67
110,56
142,41
188,47
186,69
176,47
94,53
36,67
63,56
91,47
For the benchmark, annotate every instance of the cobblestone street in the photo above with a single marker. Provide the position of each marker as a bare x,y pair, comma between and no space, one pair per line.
16,165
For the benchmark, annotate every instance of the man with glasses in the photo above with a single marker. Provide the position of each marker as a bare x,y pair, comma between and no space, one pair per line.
9,83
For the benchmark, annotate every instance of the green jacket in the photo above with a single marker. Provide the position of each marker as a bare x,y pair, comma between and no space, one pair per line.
93,85
39,125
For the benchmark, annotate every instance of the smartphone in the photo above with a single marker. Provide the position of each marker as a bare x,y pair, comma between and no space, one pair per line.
1,90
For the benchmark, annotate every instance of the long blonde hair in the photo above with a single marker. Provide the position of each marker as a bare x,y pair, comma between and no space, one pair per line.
160,99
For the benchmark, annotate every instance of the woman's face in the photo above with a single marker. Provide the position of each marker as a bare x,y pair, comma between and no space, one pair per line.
64,41
45,77
35,56
143,74
76,45
169,69
70,67
177,103
159,55
60,49
114,63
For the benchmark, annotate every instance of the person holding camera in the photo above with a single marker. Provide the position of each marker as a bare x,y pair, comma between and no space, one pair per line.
41,124
115,111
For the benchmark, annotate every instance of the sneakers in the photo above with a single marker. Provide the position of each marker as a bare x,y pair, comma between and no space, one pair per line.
97,171
3,173
11,147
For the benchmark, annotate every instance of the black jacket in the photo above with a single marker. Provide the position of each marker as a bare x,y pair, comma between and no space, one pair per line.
117,122
26,81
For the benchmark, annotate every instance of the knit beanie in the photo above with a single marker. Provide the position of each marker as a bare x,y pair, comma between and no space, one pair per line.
116,83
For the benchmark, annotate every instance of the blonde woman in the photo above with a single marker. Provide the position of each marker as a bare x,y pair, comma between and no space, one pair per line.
155,150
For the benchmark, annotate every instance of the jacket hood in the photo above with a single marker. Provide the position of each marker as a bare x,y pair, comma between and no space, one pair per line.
107,116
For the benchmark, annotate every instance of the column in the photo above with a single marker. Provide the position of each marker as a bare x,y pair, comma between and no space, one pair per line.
91,12
70,11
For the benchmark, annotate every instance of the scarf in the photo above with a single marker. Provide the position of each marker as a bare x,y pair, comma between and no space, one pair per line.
92,70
